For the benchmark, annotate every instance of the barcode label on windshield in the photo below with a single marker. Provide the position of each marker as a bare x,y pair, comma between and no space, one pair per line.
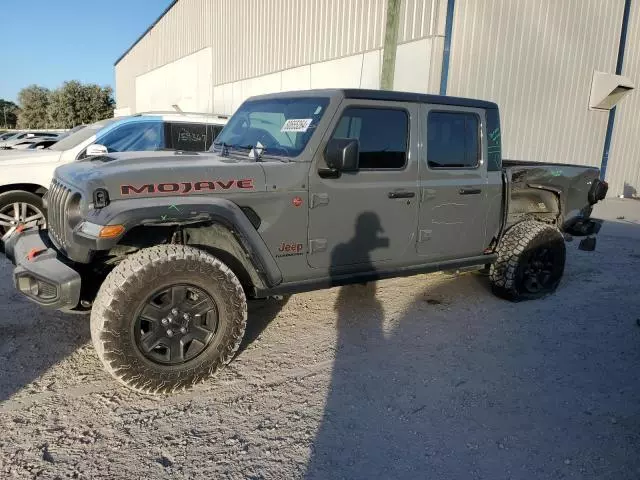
296,125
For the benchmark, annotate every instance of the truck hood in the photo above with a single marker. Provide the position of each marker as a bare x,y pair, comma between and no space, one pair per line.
27,157
156,174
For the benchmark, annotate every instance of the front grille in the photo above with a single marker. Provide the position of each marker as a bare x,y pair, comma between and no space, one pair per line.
58,197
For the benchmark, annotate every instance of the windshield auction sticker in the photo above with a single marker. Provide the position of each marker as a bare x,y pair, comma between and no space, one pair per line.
296,125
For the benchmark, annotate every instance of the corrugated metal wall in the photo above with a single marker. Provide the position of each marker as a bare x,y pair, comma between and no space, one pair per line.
417,19
252,38
184,29
623,170
255,38
536,59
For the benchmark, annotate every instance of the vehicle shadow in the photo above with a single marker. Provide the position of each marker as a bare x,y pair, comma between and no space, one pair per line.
32,339
260,314
465,385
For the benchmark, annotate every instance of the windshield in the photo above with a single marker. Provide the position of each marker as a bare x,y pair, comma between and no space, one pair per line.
81,135
279,126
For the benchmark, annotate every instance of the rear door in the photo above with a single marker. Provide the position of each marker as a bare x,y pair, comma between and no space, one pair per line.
453,180
366,218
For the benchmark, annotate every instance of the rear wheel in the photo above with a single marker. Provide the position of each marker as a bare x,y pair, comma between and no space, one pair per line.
167,318
531,258
18,207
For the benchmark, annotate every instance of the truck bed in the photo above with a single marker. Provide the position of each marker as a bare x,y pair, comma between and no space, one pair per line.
531,163
548,191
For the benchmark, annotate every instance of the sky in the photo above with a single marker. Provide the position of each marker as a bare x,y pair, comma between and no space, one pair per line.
49,42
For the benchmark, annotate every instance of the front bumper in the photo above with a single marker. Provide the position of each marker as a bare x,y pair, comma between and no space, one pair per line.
40,274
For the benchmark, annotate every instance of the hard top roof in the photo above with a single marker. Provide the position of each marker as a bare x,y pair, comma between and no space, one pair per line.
386,95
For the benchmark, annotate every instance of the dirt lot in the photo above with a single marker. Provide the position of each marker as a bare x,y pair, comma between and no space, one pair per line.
425,377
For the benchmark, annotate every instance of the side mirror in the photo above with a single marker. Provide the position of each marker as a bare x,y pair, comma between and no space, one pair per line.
96,149
341,155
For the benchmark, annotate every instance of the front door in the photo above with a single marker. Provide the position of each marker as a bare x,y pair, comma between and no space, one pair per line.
366,219
453,181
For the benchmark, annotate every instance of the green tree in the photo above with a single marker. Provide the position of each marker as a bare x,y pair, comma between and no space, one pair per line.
8,114
34,101
75,104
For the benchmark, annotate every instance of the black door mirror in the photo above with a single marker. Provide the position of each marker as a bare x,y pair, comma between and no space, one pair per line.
341,155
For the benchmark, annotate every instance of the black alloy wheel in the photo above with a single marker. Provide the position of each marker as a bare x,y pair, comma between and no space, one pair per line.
176,324
539,273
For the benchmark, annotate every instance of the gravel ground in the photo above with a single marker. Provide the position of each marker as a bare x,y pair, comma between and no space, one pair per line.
423,377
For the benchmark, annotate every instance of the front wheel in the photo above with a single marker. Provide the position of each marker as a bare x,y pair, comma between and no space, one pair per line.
531,258
167,318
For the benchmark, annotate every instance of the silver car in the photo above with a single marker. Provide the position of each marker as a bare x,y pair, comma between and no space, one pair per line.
18,137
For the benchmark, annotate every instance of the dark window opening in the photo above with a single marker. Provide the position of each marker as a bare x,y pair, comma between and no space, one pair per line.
188,137
381,133
453,140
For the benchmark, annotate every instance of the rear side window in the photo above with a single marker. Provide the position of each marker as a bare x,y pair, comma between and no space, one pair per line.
453,140
188,137
382,134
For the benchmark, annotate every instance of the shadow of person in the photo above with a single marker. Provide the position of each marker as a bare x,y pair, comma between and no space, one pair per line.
339,440
461,384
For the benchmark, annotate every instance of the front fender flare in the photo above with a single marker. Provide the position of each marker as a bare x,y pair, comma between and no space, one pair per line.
194,210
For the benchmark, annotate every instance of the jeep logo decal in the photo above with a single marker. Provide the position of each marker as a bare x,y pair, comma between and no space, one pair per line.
187,187
290,249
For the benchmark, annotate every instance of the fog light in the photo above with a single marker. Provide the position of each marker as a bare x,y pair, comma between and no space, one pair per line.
34,289
37,288
24,284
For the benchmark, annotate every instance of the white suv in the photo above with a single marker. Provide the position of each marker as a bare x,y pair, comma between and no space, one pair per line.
25,175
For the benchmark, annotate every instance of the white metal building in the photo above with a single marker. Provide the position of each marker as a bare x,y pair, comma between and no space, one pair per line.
538,59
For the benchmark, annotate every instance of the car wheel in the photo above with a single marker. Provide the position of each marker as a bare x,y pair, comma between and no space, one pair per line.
531,258
18,207
167,317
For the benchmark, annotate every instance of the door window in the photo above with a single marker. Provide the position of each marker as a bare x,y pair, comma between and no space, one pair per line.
453,140
382,135
189,137
137,136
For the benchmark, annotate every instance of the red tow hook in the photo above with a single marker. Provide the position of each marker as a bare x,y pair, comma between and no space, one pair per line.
34,252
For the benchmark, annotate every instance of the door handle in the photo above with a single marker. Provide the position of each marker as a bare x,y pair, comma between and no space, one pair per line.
401,194
470,191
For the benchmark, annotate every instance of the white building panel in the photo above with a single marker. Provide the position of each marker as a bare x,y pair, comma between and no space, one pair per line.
185,83
413,60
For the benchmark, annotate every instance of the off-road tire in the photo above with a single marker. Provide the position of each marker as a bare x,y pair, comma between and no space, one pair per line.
124,291
517,246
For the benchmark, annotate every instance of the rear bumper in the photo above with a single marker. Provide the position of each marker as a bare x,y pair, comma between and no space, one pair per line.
39,274
581,226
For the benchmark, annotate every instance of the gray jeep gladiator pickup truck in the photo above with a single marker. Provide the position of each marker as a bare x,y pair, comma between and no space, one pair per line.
300,191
